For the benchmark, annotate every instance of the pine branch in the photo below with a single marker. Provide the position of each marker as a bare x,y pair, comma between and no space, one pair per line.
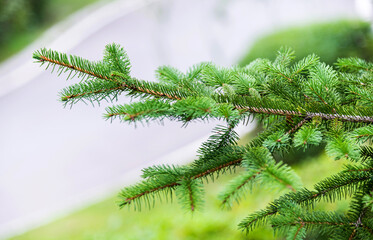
300,104
102,71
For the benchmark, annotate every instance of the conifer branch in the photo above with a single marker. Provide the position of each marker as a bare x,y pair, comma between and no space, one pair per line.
282,94
101,71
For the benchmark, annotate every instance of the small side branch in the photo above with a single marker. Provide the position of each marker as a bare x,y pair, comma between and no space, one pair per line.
176,183
72,67
289,186
237,188
300,124
80,95
130,199
298,231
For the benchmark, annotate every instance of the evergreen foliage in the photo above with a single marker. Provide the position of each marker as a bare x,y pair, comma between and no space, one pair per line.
300,104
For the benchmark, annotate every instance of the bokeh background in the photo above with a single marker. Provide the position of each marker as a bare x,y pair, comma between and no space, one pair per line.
60,169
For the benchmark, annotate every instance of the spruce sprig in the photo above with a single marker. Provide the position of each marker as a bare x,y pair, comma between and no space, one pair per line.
299,104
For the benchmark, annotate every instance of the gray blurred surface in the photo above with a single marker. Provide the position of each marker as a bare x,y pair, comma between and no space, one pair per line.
52,159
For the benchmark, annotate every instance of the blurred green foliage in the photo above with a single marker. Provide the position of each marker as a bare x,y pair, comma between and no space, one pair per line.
20,15
22,21
330,41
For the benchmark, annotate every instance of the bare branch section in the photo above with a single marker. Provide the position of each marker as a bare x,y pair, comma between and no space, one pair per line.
308,115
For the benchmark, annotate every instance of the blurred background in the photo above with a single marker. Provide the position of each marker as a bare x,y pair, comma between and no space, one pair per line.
60,168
